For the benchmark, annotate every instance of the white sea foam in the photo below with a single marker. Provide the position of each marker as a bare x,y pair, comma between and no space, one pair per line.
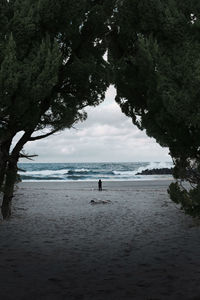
51,172
149,166
45,172
125,173
154,165
81,170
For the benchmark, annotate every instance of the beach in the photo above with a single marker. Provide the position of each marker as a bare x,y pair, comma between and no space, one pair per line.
58,245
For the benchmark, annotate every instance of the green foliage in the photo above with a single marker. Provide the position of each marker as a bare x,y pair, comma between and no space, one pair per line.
51,62
189,200
154,53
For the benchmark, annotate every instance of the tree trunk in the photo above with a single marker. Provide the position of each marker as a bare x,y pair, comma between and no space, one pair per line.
11,174
4,155
3,164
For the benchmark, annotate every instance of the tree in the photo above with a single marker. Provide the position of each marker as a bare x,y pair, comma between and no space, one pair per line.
51,68
154,52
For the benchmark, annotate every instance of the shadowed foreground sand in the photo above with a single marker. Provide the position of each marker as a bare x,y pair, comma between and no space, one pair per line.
59,246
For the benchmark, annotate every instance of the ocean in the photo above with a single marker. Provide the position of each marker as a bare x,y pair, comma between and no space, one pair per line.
89,171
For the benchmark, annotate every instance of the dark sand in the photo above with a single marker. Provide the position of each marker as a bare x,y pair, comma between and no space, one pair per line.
59,246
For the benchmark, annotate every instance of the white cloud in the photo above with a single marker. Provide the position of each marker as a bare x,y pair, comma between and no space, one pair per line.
107,135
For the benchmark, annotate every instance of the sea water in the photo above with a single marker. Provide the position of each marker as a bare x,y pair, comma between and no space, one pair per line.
89,171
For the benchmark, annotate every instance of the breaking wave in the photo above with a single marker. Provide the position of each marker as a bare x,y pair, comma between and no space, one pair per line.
88,172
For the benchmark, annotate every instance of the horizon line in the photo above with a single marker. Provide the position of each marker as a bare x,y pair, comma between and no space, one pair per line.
96,162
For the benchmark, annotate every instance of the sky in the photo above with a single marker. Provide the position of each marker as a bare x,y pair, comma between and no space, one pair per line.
106,136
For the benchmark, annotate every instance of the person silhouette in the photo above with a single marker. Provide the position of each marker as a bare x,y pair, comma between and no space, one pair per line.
100,185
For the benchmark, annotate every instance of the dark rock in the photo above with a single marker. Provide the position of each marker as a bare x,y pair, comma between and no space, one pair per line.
163,171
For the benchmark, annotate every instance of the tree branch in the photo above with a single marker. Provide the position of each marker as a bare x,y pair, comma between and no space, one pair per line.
23,155
20,144
34,138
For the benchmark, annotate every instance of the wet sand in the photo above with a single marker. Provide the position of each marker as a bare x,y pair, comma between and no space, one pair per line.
59,246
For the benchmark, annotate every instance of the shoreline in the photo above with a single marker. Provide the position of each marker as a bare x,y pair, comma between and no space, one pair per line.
92,186
104,180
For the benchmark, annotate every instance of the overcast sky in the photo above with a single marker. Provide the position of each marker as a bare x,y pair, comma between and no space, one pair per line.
106,136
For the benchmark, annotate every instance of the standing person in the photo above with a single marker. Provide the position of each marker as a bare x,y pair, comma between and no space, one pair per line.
100,185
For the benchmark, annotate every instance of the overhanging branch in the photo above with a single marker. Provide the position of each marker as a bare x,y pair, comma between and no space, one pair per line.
39,137
27,156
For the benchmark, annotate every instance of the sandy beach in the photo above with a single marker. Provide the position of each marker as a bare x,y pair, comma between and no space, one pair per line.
58,245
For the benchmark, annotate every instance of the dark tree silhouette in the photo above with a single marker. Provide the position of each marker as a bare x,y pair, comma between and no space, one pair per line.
154,51
51,68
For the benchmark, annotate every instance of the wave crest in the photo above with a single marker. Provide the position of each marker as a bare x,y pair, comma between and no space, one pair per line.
88,172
